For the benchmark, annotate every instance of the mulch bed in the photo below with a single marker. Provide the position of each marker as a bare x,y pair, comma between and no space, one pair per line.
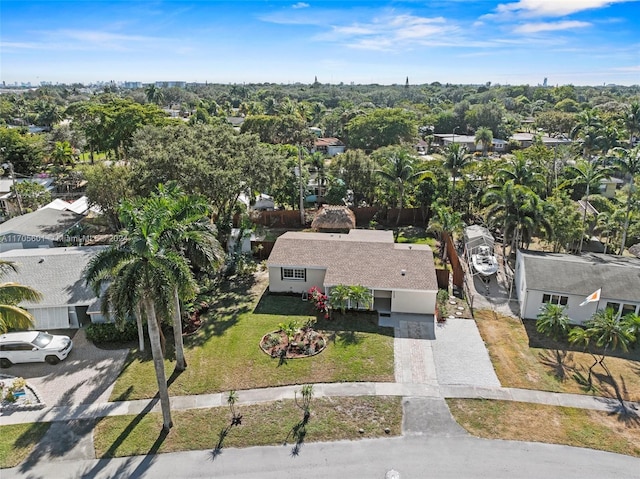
305,343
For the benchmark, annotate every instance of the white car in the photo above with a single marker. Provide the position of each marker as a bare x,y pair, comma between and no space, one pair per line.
33,347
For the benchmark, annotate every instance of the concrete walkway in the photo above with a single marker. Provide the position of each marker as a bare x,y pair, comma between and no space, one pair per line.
254,396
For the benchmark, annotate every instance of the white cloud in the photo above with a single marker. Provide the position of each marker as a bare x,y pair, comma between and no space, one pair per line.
550,26
551,8
300,5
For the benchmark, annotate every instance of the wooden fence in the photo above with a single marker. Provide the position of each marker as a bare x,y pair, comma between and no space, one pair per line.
454,259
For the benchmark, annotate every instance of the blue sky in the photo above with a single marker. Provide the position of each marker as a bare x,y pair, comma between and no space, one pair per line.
583,42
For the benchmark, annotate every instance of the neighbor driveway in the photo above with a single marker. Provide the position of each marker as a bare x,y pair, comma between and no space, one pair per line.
86,376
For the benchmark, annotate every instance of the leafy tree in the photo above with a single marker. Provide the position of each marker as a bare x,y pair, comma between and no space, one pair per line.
381,127
565,222
23,150
555,122
12,294
107,187
356,169
32,195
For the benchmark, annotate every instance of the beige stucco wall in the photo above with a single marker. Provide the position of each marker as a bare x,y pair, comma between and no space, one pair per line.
315,277
419,302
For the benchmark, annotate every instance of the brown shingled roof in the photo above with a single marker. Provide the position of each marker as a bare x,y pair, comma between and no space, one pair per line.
363,257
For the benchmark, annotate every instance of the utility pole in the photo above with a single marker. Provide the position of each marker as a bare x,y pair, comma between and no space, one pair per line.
301,185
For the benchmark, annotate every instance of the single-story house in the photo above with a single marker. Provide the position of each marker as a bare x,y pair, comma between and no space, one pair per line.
44,228
608,186
568,279
401,277
57,273
328,146
526,140
469,141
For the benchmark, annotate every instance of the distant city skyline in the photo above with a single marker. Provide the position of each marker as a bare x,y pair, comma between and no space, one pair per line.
580,42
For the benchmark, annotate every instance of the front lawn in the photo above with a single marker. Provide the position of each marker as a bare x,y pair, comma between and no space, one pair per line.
225,353
275,423
554,425
525,359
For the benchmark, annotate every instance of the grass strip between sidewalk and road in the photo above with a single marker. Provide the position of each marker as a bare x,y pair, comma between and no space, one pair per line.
518,421
274,423
18,440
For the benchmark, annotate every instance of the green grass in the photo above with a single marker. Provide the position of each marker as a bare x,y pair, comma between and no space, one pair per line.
331,419
225,353
549,424
17,441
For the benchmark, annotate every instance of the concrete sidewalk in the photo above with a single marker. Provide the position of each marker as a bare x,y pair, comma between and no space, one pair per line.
254,396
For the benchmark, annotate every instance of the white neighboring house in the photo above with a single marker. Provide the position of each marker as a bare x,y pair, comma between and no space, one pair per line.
329,146
8,200
568,279
57,273
401,277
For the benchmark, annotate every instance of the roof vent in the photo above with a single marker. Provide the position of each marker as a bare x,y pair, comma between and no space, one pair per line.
409,246
41,260
403,272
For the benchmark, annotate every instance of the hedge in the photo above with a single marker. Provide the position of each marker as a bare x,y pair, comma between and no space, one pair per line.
109,332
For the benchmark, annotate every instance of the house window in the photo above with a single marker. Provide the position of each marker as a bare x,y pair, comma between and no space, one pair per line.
295,274
555,299
614,306
628,309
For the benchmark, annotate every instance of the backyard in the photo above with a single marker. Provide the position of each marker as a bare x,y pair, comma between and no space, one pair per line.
225,354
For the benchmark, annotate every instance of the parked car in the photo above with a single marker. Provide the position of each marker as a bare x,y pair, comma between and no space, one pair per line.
33,347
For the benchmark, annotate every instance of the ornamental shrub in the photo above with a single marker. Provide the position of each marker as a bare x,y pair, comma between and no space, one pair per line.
110,333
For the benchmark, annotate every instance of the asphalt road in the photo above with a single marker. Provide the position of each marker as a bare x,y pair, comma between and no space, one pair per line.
413,456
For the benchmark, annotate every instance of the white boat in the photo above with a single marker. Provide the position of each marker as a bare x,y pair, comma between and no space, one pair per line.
484,261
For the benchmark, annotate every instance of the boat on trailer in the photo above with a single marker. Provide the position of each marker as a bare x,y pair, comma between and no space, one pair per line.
484,261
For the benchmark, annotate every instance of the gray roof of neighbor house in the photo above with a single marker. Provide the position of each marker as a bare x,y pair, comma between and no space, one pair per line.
57,273
618,276
362,257
46,222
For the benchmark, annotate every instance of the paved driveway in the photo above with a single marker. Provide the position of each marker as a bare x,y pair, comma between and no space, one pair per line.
86,376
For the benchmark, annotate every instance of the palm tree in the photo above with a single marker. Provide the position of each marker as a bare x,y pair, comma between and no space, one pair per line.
191,234
339,297
398,169
445,220
628,162
590,174
143,270
632,121
588,130
62,154
553,321
361,296
456,157
484,136
154,94
11,294
522,172
518,211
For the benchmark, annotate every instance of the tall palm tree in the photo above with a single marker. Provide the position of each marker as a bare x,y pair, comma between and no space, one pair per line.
628,162
191,234
456,157
590,174
154,94
553,321
588,130
632,121
143,270
484,136
11,295
398,169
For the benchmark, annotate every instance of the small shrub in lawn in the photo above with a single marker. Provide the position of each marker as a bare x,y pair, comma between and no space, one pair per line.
110,333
